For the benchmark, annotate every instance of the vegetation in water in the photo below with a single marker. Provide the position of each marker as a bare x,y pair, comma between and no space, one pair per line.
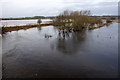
76,20
68,21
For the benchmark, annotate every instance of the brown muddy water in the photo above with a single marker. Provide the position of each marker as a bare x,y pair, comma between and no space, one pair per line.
85,54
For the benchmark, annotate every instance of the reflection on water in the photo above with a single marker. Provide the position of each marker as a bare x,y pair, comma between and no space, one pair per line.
86,54
70,42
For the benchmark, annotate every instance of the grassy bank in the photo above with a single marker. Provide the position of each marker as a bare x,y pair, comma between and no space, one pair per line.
102,25
117,21
15,28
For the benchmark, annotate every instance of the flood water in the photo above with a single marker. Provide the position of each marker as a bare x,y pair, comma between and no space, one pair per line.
7,23
84,54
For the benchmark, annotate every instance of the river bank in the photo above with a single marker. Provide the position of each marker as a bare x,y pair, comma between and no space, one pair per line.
102,25
15,28
117,21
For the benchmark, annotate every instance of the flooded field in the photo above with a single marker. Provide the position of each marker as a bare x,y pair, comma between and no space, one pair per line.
20,22
86,54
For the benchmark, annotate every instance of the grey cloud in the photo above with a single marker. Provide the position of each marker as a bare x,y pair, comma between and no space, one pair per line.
53,8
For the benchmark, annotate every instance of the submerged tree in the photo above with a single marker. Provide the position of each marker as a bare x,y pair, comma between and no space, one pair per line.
75,20
80,19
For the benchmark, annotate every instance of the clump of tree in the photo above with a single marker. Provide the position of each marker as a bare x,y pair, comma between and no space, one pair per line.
80,19
76,20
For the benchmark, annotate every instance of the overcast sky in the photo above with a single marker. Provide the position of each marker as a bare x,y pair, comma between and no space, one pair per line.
25,8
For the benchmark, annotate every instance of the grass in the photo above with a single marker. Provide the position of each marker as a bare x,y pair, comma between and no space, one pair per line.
117,21
15,28
99,26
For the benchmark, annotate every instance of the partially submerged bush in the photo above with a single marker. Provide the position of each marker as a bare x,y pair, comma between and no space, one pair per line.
108,21
95,21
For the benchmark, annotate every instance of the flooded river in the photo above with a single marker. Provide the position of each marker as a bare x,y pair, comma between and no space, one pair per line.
85,54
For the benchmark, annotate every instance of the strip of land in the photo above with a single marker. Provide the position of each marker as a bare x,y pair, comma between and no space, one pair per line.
15,28
102,25
47,23
117,21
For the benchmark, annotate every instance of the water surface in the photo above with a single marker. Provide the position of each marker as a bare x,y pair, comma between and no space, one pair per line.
84,54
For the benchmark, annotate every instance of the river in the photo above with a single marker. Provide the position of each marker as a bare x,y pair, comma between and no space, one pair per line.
84,54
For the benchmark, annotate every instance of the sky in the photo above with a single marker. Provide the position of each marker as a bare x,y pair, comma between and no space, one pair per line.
29,8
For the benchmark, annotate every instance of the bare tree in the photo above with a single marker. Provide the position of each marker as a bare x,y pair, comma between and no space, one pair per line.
79,20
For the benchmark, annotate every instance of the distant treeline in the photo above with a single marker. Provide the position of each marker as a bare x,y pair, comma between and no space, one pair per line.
26,18
52,17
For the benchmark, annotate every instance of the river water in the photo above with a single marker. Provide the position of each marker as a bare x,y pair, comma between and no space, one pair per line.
85,54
